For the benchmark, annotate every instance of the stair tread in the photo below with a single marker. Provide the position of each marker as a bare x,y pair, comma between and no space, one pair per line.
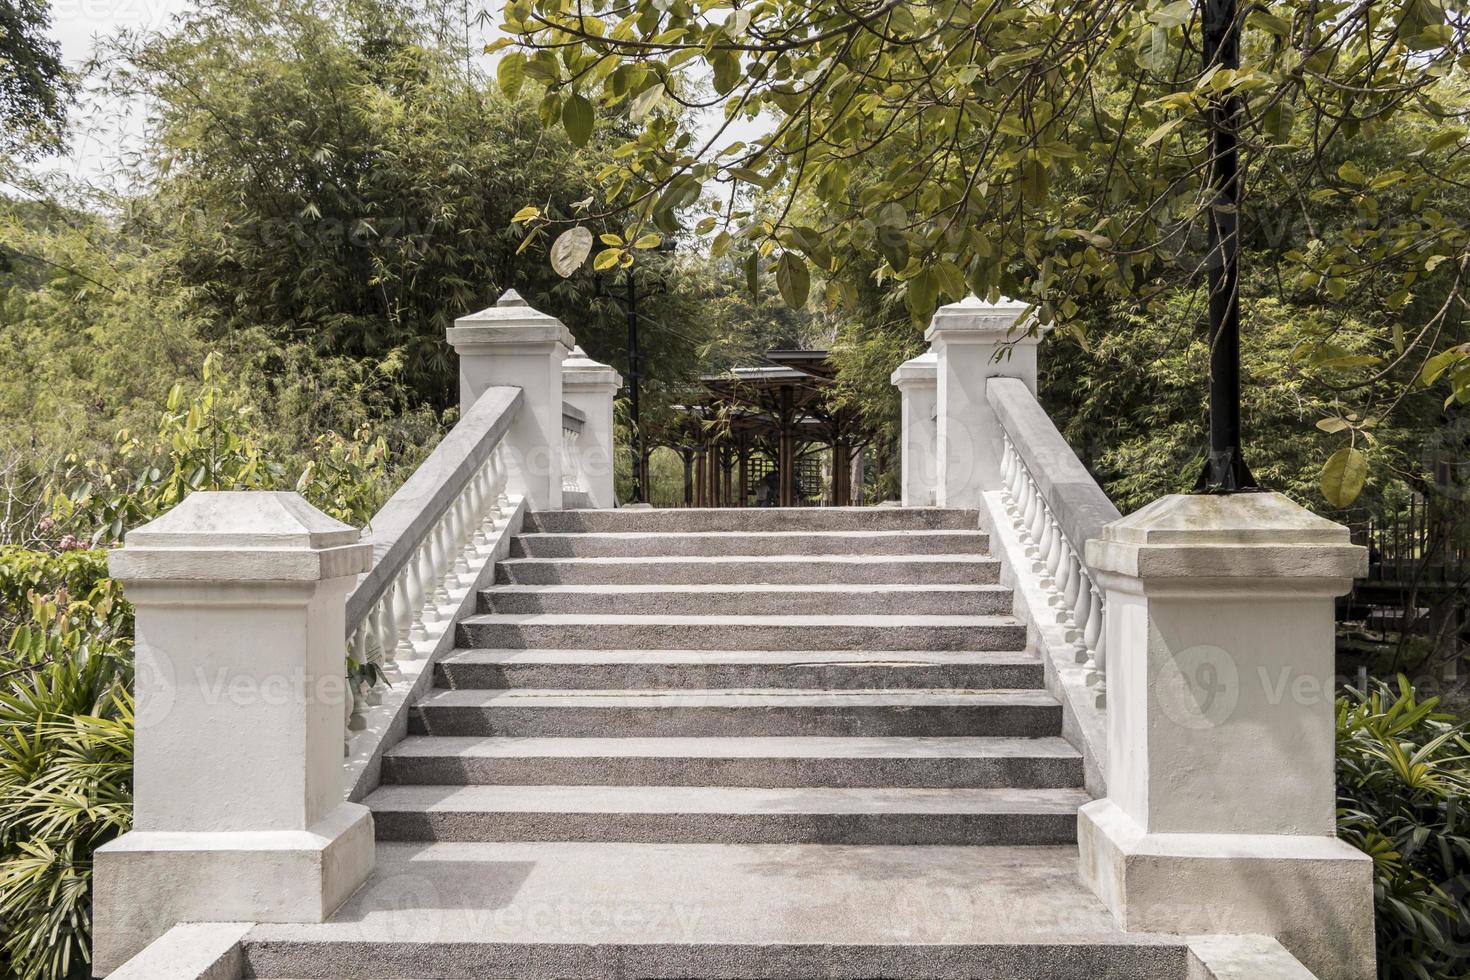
898,534
727,747
663,619
722,799
755,698
753,587
965,557
752,657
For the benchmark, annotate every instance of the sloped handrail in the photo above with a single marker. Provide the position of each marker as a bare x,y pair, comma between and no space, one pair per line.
1057,506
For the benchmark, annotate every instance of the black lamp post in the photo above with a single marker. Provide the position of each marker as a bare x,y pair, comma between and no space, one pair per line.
1225,469
665,247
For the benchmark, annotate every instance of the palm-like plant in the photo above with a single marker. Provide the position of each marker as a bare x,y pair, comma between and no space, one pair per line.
66,750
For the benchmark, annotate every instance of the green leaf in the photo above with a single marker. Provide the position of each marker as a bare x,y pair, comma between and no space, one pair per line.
576,116
526,214
1174,14
510,73
793,279
1333,425
1343,476
570,250
1350,172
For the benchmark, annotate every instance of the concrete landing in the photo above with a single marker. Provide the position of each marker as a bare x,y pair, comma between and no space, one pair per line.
718,911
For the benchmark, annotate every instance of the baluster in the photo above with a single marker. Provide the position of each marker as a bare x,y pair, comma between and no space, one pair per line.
1041,540
390,625
423,572
442,567
403,611
1082,612
1100,656
458,535
1028,504
1037,528
1054,551
502,499
1074,577
1063,580
480,511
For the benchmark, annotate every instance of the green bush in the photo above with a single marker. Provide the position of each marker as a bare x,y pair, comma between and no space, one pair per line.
1403,774
66,737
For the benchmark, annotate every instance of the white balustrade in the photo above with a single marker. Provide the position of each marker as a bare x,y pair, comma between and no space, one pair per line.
1072,593
421,579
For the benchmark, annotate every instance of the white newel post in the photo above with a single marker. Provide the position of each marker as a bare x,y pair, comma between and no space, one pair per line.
917,387
1220,814
239,807
513,345
590,386
974,341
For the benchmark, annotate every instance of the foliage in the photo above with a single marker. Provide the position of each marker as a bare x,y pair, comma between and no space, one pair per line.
1052,152
34,85
66,731
1134,408
1403,773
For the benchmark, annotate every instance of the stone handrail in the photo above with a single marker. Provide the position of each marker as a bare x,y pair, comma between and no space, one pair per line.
426,536
1057,507
573,422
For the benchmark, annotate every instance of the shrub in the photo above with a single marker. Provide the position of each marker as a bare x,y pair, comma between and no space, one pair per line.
1403,774
66,737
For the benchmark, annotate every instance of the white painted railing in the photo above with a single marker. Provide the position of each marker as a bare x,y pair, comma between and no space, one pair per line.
425,541
1056,507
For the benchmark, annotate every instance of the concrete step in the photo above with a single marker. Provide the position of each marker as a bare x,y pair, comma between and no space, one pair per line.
728,815
704,544
758,600
971,763
906,633
614,714
962,569
468,911
716,669
755,519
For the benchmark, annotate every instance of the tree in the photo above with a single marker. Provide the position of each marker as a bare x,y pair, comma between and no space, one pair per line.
1053,151
34,85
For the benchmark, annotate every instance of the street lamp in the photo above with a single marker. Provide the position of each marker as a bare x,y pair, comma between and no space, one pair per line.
1225,470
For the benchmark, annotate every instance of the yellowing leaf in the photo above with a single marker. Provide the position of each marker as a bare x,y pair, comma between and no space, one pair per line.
606,259
526,214
1343,477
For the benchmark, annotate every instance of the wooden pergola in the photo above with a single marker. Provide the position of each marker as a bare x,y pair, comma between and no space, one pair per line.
780,410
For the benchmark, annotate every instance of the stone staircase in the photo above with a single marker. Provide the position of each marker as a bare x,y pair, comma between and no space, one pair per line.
731,743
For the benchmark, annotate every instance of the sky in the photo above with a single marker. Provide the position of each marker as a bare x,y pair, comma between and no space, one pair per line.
77,24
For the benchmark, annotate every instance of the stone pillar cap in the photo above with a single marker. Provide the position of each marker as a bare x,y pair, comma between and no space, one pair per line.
925,367
241,535
999,321
1248,536
586,371
510,321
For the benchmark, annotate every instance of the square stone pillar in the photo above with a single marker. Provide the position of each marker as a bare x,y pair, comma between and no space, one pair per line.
973,342
512,345
1220,814
239,804
590,387
917,389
